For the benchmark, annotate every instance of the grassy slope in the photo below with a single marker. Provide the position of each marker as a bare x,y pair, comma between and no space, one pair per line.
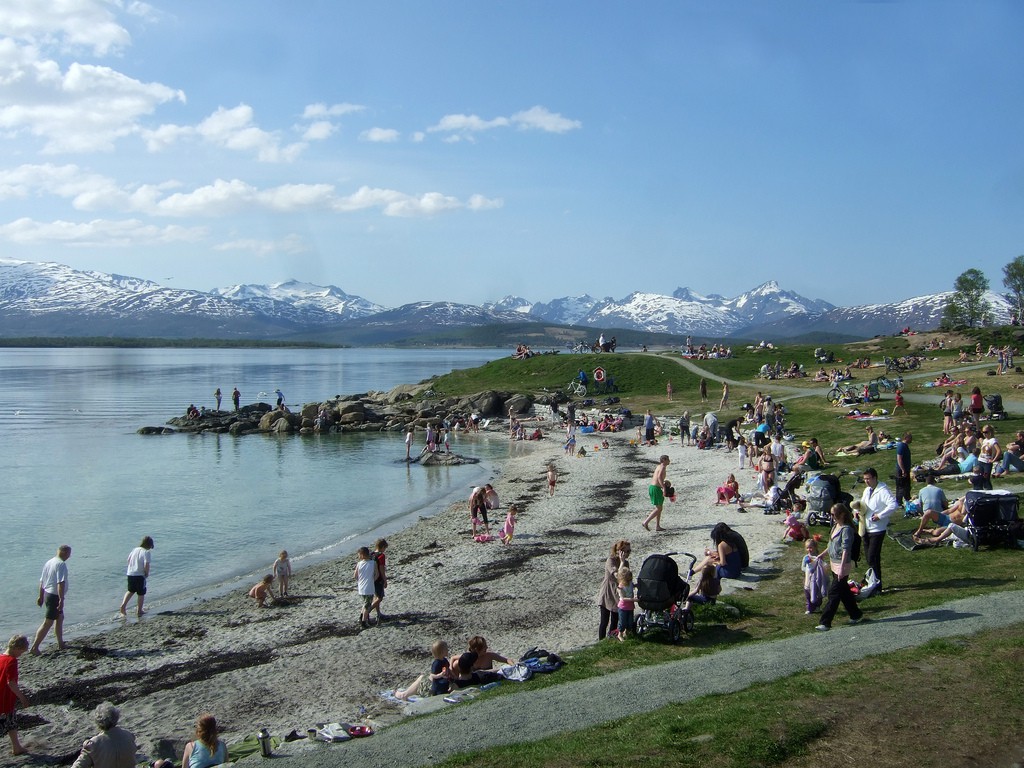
775,735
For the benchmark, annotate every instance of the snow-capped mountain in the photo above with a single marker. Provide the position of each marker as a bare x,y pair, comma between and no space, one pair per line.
570,310
48,299
510,304
54,300
866,320
328,298
685,311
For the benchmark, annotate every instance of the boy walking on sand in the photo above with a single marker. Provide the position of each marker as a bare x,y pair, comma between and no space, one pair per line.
365,575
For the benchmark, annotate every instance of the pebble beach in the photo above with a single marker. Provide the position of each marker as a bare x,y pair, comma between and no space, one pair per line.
306,660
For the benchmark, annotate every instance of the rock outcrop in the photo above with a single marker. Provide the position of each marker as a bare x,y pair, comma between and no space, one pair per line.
406,406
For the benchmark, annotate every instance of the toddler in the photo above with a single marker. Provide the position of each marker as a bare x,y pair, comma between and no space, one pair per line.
795,529
365,575
283,571
553,477
626,602
509,528
815,579
729,491
741,451
435,682
261,591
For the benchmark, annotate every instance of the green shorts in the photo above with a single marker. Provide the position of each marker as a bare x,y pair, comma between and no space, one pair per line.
657,495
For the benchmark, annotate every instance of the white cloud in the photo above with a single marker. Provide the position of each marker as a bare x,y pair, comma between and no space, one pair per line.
539,118
234,129
86,108
99,232
418,136
335,110
318,131
464,123
481,203
393,203
291,244
65,23
383,135
94,192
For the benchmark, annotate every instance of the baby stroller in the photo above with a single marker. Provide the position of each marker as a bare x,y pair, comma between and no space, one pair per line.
661,594
994,403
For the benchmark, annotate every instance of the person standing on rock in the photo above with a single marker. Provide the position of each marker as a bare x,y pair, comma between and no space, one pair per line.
53,586
280,397
236,397
217,395
408,444
656,491
138,572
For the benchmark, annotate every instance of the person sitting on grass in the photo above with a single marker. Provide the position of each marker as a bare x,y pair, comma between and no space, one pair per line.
436,681
813,458
868,445
933,505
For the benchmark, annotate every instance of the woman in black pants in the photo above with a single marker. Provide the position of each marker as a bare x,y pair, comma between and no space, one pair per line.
608,596
840,549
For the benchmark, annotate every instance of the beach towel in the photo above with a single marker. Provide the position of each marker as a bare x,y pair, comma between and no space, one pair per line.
517,673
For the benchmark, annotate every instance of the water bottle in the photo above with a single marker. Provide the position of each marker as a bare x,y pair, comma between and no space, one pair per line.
263,737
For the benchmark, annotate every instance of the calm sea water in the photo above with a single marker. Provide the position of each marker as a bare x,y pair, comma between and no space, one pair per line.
220,508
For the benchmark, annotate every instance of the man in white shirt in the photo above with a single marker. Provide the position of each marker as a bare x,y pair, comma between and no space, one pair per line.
878,507
138,572
53,586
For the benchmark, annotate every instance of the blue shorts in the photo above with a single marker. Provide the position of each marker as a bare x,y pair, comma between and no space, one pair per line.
943,519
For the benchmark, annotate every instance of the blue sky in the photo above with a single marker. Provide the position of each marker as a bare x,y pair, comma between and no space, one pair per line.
404,151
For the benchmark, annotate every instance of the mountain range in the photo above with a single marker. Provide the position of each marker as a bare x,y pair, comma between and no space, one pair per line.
49,299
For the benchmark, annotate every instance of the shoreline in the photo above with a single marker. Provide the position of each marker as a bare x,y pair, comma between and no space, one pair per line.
306,662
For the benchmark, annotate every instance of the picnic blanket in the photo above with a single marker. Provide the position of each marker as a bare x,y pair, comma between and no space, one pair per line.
956,383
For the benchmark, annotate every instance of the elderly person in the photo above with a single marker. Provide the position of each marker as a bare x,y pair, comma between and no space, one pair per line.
207,749
112,747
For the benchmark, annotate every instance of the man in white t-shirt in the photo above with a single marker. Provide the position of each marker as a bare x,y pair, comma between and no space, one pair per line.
138,572
53,586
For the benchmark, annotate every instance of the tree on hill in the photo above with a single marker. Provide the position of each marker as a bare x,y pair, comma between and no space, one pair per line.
1013,281
967,306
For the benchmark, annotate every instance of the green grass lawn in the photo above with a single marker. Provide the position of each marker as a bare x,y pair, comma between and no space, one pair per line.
803,719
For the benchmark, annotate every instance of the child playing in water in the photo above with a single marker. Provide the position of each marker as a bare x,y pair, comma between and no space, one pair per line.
815,578
365,575
283,571
261,591
626,602
553,477
509,528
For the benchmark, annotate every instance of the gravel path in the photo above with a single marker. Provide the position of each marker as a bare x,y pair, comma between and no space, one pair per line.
530,715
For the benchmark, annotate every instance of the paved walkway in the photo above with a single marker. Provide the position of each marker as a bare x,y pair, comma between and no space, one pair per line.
534,714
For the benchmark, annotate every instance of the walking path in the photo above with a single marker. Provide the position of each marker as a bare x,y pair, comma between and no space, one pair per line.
535,714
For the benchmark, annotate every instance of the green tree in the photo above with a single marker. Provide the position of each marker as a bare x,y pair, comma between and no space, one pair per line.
967,306
1013,281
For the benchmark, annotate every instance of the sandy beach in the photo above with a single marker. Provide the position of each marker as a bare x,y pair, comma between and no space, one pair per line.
292,665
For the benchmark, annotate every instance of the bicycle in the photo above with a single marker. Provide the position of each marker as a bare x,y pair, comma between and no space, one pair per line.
576,388
840,391
889,385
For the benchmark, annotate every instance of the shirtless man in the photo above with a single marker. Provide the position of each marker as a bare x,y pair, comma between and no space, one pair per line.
656,490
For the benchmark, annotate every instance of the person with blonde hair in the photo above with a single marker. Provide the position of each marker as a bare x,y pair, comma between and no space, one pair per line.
207,750
10,693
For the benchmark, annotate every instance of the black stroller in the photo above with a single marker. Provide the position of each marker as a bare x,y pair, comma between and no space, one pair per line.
994,404
991,518
661,595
